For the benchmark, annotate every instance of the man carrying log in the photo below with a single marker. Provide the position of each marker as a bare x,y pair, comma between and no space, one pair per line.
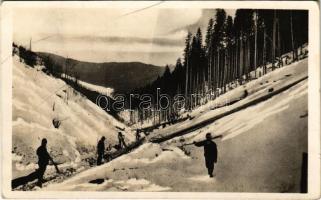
210,153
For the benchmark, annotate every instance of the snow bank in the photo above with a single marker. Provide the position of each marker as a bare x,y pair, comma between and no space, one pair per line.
38,99
121,172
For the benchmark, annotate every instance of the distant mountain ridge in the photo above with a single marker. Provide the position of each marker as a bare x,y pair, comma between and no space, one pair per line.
121,76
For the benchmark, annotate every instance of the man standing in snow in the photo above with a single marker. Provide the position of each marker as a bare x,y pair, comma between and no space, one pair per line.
121,140
137,135
43,160
210,153
100,150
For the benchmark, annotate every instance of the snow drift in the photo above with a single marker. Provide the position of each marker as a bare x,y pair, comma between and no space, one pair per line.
38,100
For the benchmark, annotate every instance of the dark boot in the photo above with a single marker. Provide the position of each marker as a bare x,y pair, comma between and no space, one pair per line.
39,183
210,170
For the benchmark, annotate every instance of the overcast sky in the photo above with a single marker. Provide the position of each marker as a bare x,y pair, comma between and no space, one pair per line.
153,35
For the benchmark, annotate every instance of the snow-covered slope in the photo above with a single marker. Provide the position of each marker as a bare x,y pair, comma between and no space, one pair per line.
37,100
257,88
261,151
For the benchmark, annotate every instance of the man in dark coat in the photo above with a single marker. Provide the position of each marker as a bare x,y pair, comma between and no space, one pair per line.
100,150
137,135
121,140
43,161
210,153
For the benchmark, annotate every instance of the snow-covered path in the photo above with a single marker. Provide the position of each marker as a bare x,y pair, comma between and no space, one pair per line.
261,151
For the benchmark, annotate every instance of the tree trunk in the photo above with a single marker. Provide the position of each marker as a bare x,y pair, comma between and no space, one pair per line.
209,78
292,39
186,82
279,43
273,39
264,52
255,44
248,58
241,59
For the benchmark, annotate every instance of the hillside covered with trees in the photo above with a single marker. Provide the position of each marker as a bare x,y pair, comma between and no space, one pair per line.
121,76
229,54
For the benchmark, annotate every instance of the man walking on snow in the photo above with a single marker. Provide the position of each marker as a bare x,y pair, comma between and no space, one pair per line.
210,153
100,150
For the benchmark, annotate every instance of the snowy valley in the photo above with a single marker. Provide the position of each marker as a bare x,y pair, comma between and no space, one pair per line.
248,140
170,99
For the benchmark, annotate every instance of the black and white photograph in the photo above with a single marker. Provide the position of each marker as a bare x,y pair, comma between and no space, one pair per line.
162,97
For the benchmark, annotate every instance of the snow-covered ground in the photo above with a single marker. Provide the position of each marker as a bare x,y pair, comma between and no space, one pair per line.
261,149
100,89
38,99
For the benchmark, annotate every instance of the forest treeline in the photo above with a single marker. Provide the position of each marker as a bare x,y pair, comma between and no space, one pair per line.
231,50
26,55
